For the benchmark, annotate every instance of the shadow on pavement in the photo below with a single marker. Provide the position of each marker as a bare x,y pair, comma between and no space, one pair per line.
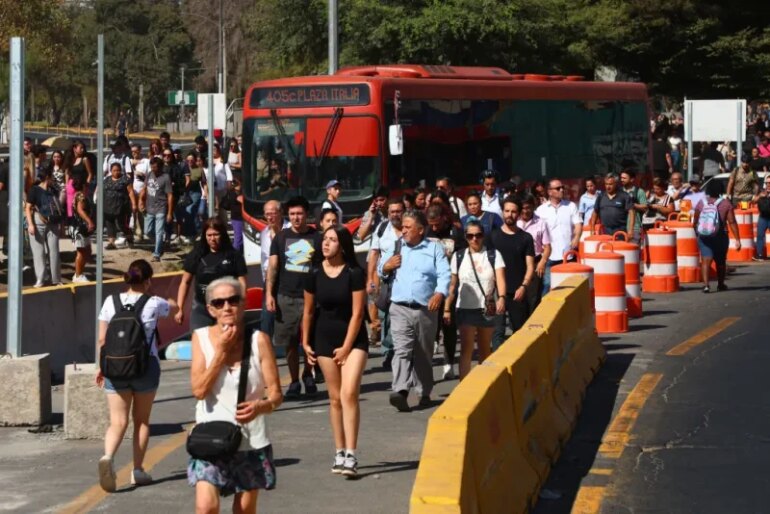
387,467
288,461
620,346
638,328
581,450
157,429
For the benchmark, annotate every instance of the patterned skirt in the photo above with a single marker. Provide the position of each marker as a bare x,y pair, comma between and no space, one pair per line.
244,471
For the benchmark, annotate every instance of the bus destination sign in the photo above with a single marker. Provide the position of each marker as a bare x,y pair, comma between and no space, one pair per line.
310,96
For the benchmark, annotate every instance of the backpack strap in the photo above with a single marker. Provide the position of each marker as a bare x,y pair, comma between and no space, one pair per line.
460,256
117,303
382,227
243,378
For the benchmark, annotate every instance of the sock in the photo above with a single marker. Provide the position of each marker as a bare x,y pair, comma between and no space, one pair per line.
351,452
340,450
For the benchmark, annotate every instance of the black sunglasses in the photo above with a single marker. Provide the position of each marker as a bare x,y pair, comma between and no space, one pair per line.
477,235
218,303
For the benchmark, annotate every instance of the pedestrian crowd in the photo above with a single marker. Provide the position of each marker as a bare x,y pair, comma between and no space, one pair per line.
158,196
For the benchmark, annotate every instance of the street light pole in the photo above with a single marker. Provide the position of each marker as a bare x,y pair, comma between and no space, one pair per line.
333,37
100,189
220,68
181,103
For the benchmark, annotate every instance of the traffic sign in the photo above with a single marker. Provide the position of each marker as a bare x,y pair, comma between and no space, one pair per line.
177,98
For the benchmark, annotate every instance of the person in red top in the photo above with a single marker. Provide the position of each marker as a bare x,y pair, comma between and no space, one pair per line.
764,147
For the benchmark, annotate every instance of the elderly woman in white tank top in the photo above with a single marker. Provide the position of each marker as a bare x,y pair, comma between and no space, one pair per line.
216,358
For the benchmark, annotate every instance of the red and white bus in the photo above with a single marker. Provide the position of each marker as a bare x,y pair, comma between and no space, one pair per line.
300,133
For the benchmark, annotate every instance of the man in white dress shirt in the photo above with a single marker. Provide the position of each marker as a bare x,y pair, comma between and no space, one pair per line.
564,226
490,198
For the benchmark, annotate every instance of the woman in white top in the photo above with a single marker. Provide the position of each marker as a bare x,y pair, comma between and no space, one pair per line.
234,157
140,391
216,359
470,290
587,200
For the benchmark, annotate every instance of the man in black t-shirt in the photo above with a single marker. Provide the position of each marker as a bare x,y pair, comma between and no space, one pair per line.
662,165
518,251
291,254
757,163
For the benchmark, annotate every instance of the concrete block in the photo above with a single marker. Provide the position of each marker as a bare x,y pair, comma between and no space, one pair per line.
86,415
26,386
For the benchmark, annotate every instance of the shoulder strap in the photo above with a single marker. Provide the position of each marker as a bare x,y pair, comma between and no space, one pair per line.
473,268
460,256
139,306
381,228
491,257
243,379
399,242
116,302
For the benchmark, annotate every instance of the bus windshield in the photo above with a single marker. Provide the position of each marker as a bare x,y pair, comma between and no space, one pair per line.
284,157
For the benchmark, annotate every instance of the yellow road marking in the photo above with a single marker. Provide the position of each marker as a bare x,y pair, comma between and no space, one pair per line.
701,337
617,435
94,494
588,500
601,471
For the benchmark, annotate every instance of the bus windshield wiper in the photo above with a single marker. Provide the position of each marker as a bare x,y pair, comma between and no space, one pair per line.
282,134
329,137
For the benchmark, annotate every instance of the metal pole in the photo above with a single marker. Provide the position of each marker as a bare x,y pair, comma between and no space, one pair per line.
333,37
15,256
688,120
181,104
210,174
739,136
220,83
141,107
224,63
100,189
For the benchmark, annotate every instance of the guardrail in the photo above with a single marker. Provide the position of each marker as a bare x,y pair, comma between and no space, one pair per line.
490,446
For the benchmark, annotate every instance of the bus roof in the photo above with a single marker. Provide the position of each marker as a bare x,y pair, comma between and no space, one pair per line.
415,81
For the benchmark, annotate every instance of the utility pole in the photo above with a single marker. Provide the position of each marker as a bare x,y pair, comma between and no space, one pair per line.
15,207
181,103
220,70
210,175
141,107
100,190
333,33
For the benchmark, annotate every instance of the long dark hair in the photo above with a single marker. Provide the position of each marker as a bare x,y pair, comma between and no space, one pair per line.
202,249
138,271
346,247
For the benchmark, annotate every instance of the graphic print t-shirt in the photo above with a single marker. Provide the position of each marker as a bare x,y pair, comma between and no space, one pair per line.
295,253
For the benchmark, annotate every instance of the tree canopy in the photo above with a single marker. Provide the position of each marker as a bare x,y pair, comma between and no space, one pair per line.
694,48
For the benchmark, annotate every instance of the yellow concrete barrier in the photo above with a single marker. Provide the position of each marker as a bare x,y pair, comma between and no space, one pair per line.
490,446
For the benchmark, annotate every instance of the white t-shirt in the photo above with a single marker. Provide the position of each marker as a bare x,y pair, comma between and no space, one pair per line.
123,160
142,170
222,175
155,308
491,204
561,221
469,295
328,204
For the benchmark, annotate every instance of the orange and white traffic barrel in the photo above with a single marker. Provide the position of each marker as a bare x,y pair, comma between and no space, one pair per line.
566,269
660,274
630,253
687,252
745,220
591,244
586,233
609,290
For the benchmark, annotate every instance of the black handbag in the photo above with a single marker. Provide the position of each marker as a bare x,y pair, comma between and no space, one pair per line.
217,440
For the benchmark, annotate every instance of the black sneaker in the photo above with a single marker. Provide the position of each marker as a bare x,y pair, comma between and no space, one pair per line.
350,467
293,392
339,462
310,388
319,376
398,400
425,401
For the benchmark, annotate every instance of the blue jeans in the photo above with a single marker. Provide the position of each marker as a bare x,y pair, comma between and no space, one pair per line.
155,224
547,275
763,224
191,223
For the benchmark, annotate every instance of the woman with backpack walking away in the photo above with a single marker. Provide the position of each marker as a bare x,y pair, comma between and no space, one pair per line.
712,216
478,275
129,369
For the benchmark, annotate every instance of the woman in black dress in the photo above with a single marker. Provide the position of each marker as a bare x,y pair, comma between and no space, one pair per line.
333,334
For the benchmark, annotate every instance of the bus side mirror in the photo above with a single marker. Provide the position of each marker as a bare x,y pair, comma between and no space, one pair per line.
396,140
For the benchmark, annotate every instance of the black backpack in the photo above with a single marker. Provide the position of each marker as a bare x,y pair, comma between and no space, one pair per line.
126,351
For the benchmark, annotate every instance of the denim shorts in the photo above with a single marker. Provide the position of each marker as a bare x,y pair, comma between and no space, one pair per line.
144,384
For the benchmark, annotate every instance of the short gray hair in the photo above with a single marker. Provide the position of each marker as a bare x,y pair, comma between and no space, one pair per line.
612,175
417,216
224,281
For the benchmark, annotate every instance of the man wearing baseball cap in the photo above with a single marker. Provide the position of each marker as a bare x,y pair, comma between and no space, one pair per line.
332,194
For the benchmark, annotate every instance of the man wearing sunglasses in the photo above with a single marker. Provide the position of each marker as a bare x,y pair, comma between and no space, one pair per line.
564,226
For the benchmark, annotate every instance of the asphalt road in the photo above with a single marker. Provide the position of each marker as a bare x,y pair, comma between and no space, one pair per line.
676,421
658,433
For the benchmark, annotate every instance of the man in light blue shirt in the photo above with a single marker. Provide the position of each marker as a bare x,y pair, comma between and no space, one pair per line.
420,285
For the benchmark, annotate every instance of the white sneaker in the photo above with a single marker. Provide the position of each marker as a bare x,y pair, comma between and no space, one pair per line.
140,477
38,285
107,474
80,278
185,240
449,373
120,241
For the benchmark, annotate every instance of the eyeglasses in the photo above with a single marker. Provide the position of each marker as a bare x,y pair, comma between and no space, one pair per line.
233,301
477,235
